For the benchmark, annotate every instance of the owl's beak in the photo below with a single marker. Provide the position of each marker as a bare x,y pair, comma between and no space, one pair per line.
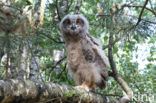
73,26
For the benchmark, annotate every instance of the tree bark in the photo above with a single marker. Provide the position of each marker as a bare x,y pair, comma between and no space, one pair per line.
23,60
26,91
13,67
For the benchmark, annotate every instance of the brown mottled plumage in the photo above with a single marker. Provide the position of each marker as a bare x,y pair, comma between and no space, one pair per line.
85,56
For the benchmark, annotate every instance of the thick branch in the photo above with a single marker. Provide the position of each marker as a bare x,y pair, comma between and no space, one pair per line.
26,91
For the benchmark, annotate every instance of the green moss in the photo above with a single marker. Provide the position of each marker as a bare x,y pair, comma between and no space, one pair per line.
69,93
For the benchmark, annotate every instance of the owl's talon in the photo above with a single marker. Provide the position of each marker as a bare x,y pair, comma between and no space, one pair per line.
83,87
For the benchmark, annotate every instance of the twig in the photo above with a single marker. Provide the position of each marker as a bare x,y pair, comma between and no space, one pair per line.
143,19
118,39
139,19
78,6
154,12
113,43
63,7
62,70
151,4
127,5
58,62
58,13
113,67
48,36
71,2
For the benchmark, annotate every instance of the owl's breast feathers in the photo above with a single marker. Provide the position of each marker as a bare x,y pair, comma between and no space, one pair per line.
74,55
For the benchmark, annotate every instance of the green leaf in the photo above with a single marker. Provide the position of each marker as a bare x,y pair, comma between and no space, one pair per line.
105,38
28,2
151,59
115,49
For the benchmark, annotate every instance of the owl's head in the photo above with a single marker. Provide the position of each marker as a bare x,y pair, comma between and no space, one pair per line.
74,25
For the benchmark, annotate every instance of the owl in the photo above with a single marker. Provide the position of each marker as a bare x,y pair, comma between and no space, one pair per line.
85,56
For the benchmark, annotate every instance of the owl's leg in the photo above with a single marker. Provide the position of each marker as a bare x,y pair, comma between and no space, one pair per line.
88,84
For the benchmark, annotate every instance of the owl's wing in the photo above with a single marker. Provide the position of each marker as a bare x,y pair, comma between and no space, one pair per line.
97,47
93,53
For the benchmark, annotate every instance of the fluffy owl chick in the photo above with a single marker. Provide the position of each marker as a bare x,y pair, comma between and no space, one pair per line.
85,56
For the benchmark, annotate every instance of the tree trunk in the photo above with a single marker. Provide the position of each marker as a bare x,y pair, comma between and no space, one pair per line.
23,61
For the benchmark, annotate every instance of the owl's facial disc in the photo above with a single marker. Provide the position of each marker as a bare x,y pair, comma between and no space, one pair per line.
73,26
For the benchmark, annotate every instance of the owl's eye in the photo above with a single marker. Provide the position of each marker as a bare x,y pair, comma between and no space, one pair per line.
80,22
67,22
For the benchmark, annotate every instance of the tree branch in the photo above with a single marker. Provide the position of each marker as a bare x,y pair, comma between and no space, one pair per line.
139,19
63,7
154,12
78,6
26,91
58,63
113,43
48,36
142,19
116,76
58,13
136,6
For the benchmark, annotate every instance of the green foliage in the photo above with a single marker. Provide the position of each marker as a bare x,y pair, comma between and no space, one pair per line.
69,94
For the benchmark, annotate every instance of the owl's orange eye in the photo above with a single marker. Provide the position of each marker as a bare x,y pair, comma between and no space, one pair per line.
78,22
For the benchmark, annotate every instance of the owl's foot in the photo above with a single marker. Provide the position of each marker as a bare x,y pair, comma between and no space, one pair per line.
83,86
